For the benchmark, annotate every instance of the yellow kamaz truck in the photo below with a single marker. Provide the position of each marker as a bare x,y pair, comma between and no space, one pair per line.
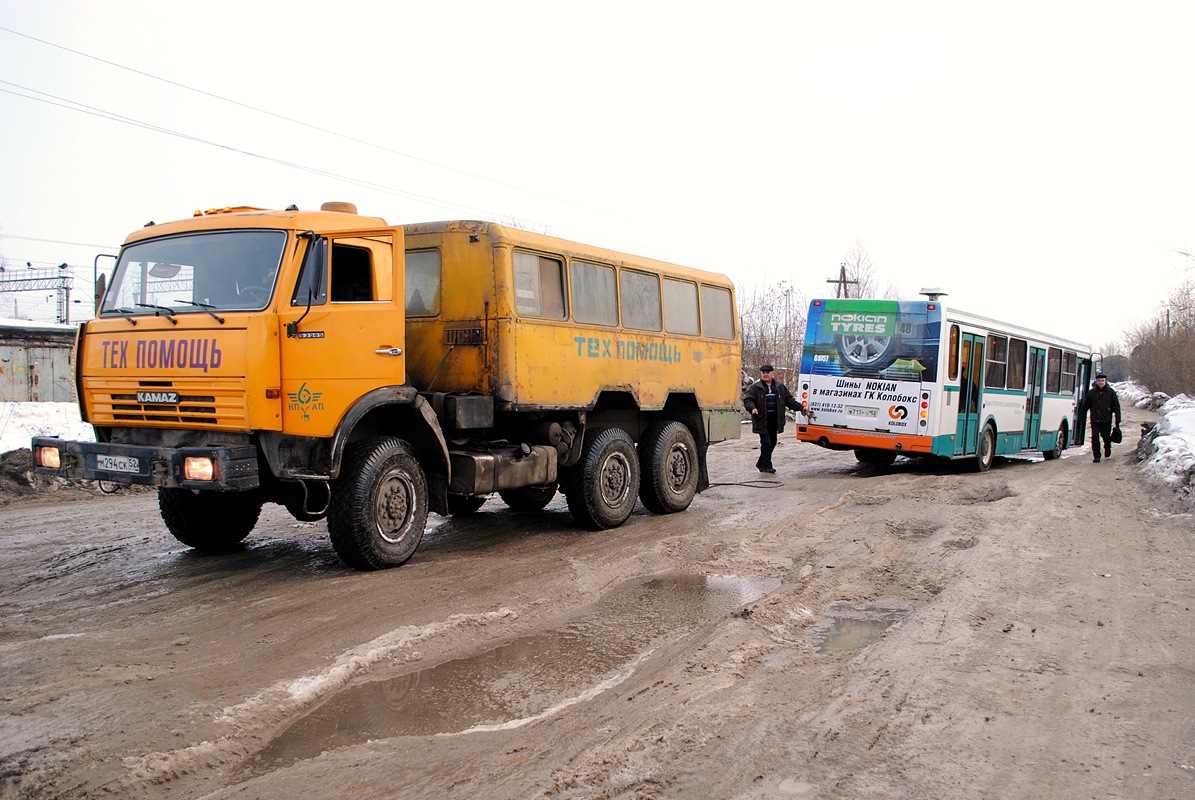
368,373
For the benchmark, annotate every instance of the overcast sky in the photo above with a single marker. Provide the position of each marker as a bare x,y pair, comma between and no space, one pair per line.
1033,159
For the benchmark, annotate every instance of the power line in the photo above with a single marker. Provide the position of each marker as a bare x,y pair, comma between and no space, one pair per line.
73,105
311,126
432,201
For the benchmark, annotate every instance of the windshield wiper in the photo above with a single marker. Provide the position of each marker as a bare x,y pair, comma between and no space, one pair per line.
160,311
126,313
206,307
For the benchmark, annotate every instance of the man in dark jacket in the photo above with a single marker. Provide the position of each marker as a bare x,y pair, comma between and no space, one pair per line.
1103,403
766,399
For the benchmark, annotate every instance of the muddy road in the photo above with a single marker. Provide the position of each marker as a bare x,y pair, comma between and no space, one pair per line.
915,632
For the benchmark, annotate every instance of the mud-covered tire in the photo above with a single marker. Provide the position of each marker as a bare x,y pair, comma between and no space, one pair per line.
209,521
528,498
379,504
668,468
874,456
602,487
1059,444
461,505
985,453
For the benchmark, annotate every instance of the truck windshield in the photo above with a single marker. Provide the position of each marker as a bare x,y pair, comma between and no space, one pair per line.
196,273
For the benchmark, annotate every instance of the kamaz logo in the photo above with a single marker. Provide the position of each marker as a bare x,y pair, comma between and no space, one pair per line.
158,398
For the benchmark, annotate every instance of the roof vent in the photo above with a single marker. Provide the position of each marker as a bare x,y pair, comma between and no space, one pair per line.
343,208
933,294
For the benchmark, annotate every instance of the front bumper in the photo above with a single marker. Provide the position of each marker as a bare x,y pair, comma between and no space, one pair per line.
235,468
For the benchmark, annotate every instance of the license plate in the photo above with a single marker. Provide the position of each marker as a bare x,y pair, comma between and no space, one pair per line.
118,464
861,411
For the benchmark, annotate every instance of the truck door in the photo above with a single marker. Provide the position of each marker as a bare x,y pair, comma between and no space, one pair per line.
342,335
966,436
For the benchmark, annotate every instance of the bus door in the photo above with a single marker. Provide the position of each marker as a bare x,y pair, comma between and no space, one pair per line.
966,437
1082,386
1034,390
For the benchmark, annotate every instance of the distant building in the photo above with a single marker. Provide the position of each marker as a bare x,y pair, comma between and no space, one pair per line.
37,362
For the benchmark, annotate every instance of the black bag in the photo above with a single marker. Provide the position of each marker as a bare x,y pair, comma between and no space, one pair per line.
1116,435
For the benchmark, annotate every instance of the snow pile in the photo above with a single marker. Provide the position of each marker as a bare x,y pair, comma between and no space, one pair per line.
1168,451
1136,395
19,422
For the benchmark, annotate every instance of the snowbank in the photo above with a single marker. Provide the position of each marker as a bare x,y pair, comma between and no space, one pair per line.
19,422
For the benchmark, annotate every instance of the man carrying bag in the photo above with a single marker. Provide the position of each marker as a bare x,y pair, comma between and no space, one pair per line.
1104,405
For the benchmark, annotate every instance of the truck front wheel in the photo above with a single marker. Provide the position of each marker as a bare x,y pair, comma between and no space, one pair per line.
602,486
211,521
668,467
379,504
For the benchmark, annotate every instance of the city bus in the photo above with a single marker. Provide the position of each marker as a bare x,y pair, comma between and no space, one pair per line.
915,378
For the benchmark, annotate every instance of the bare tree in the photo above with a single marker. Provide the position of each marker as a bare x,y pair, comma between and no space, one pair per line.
860,273
772,320
1163,350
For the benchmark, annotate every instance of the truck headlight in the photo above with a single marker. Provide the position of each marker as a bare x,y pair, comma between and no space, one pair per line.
49,457
199,468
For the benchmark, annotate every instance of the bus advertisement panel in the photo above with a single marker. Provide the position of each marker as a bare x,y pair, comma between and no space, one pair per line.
865,361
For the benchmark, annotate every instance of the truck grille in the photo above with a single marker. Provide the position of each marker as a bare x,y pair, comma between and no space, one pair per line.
215,404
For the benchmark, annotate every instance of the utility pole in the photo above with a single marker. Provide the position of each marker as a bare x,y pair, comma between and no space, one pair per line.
841,289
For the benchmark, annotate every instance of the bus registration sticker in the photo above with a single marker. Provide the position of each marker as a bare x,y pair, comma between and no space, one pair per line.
118,464
862,411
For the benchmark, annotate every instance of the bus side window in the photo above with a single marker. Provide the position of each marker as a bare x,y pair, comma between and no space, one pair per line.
1017,350
954,340
1053,370
680,307
539,285
994,374
639,293
717,312
352,274
595,300
1069,368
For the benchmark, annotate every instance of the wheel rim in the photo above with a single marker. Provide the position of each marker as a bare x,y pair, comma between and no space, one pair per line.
676,468
988,448
395,506
863,350
615,480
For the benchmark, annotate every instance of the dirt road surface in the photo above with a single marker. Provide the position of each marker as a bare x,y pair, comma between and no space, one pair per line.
915,632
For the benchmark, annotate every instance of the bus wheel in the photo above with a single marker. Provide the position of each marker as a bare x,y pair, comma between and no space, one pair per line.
528,498
601,487
461,504
987,450
1059,444
668,468
379,504
212,521
874,457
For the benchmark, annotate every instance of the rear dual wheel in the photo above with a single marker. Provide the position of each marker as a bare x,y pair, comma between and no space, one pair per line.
668,468
601,488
